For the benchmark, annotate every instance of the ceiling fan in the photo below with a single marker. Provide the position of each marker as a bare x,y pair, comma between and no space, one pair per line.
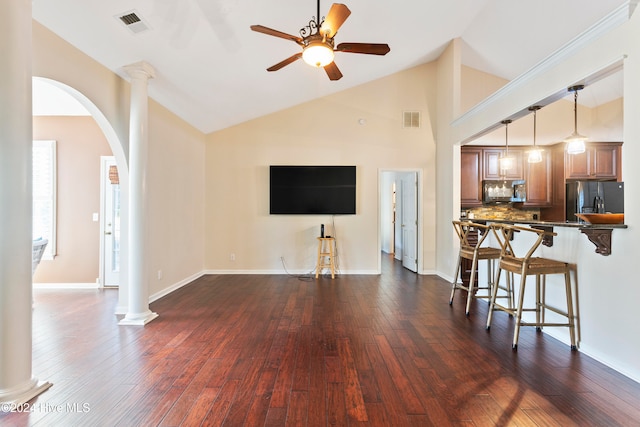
318,46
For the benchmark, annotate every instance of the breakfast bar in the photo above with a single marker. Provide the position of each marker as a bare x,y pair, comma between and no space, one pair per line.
598,234
561,294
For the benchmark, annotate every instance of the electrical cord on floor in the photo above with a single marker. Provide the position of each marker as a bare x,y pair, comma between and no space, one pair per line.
307,277
336,260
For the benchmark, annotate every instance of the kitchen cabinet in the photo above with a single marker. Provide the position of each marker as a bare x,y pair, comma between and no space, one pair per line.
601,160
470,177
491,165
539,181
480,163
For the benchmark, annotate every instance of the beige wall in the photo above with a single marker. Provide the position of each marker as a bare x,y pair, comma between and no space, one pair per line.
79,143
175,183
325,131
607,122
176,200
476,85
448,189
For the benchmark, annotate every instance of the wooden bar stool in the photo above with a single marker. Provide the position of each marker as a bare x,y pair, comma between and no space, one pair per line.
326,255
528,265
472,236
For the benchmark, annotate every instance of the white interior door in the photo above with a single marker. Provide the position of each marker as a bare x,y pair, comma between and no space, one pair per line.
410,221
110,224
397,230
392,239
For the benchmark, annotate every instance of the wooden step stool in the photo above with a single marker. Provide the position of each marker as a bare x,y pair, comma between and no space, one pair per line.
326,255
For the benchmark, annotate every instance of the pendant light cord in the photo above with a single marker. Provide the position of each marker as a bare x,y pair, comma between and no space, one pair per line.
506,136
534,126
575,111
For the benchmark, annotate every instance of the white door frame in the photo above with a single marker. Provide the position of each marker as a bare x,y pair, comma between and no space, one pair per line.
420,232
409,218
105,163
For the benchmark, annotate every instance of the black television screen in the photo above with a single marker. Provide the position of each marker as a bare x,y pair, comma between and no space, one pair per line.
312,190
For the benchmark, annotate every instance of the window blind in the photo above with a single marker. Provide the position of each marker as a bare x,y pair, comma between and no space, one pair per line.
44,194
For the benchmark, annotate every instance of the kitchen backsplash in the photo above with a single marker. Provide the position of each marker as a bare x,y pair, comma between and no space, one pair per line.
505,212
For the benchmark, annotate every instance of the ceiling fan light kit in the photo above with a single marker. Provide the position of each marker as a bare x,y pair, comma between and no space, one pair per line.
318,54
316,40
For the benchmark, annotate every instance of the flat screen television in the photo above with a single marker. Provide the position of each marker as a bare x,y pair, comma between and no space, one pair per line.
312,190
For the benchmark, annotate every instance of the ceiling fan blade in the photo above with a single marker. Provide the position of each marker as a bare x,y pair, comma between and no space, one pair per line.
366,48
271,32
332,71
286,62
334,20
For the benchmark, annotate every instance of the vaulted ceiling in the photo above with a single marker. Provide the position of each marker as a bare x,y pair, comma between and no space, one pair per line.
211,68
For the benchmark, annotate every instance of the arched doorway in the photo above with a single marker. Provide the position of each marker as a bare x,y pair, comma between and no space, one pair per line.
66,97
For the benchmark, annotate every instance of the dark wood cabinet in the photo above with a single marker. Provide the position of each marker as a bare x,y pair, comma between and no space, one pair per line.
601,160
470,177
479,163
539,181
491,157
545,181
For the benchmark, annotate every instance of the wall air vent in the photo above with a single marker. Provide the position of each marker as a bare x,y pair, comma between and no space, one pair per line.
133,21
411,119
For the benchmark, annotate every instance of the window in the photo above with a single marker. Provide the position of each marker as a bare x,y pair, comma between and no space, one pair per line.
44,195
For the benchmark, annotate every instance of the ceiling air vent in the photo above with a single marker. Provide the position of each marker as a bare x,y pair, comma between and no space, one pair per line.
133,22
411,119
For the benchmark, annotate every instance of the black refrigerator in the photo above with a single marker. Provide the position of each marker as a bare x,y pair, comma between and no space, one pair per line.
594,197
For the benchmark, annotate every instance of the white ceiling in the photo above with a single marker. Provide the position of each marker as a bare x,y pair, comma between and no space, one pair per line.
210,67
50,100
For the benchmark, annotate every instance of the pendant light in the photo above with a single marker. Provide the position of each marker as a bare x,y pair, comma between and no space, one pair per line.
506,161
575,141
535,154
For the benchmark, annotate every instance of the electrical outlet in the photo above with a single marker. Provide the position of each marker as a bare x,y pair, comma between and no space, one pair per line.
159,274
232,257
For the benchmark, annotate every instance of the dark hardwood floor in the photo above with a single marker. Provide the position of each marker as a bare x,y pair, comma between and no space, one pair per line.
279,351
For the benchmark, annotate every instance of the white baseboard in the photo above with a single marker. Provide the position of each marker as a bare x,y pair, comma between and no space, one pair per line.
295,272
249,272
628,371
447,277
167,291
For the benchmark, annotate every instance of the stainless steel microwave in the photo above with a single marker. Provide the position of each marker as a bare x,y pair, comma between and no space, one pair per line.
503,191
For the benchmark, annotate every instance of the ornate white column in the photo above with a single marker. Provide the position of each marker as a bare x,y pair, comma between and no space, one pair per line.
138,310
16,383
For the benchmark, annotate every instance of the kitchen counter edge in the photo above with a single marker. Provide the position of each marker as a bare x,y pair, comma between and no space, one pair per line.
547,223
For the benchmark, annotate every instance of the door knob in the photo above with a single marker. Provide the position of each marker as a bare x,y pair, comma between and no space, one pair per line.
107,233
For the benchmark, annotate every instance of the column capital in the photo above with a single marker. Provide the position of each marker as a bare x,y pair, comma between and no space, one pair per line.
140,69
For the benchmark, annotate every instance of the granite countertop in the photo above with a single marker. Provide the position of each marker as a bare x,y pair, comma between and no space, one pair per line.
547,223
